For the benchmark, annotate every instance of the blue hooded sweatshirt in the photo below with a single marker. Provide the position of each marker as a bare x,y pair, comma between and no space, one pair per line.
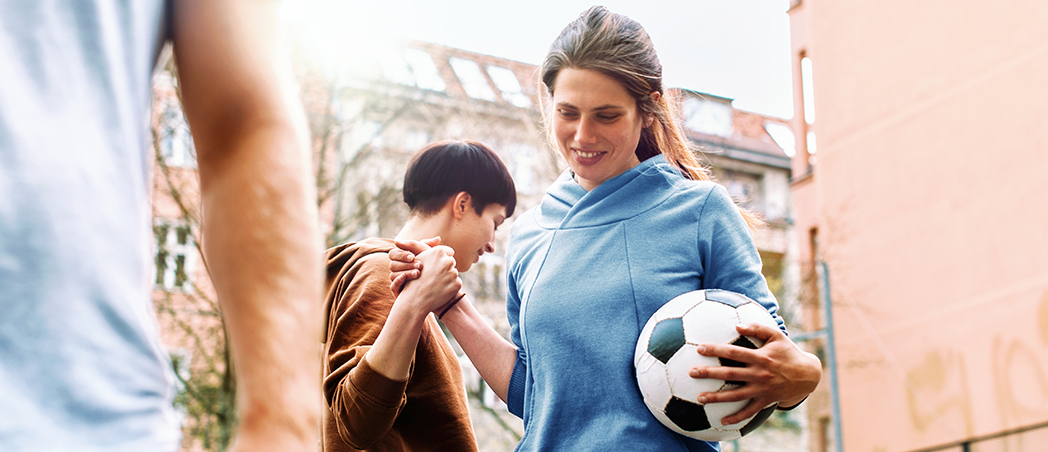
586,270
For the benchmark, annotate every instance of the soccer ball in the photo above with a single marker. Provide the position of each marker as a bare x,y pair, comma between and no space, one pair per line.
666,351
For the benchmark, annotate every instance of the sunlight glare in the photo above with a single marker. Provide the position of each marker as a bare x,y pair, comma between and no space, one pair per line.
341,37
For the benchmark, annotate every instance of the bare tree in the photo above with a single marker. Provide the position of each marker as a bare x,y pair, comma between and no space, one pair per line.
186,307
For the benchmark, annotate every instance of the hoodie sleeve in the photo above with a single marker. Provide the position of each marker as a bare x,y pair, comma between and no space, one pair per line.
517,380
728,254
363,402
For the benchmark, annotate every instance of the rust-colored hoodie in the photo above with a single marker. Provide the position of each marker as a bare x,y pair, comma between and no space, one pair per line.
365,410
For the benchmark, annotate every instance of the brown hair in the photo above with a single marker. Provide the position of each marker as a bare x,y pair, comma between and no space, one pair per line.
618,47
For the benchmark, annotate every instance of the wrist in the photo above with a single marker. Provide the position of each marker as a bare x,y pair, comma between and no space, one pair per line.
406,316
411,304
451,305
456,312
784,406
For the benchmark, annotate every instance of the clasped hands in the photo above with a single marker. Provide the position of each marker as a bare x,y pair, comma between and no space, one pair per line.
437,287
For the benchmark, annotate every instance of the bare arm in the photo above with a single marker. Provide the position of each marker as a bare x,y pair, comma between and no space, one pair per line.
394,349
259,215
492,355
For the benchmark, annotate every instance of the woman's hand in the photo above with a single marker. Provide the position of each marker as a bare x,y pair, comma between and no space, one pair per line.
779,372
403,266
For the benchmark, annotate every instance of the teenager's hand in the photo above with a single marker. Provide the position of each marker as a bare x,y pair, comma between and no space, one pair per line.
435,286
779,372
403,266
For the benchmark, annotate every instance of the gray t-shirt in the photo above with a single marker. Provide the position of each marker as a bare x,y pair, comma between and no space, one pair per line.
81,364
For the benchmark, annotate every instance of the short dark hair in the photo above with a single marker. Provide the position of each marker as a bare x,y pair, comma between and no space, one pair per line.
445,168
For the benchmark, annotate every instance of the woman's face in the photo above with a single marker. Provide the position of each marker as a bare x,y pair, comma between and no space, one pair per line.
597,125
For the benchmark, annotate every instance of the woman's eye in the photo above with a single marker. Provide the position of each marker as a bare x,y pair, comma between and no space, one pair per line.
608,117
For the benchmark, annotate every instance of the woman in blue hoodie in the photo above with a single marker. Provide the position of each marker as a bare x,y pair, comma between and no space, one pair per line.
634,222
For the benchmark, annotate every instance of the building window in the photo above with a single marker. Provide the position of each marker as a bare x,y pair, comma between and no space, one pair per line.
362,133
809,140
176,143
807,89
481,274
509,86
486,282
822,438
423,69
783,136
415,139
708,117
175,251
746,189
521,162
496,281
472,79
412,67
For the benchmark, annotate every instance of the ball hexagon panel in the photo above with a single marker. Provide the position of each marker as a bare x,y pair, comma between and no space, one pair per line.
727,297
741,341
753,312
757,420
710,323
651,374
681,383
689,416
745,342
675,308
666,338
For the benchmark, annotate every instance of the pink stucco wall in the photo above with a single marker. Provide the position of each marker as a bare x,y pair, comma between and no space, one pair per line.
932,195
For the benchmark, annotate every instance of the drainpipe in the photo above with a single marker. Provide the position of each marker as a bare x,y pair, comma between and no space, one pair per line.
831,349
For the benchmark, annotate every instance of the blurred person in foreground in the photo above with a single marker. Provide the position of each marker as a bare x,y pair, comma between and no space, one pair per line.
391,379
633,223
81,363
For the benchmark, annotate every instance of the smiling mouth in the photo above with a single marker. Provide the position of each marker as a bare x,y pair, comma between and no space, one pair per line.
587,155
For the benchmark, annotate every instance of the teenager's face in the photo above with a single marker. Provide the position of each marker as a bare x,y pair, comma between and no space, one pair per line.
473,234
597,125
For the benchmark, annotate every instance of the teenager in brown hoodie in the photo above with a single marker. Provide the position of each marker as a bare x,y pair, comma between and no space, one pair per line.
391,380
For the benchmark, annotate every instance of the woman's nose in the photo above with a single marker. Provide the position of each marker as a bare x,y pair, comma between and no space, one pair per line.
584,132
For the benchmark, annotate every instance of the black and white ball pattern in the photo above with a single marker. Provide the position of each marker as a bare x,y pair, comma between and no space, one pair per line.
666,351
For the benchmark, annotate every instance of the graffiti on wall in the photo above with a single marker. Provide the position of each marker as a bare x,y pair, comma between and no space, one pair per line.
938,390
1021,373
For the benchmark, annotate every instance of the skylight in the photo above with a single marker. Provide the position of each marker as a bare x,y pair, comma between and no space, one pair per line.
473,80
509,85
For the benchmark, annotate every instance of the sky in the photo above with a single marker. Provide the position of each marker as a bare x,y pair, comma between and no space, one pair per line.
739,49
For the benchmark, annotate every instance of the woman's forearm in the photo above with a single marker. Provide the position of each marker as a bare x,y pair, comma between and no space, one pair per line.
491,354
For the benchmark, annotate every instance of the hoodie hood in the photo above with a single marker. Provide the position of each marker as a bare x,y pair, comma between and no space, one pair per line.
567,205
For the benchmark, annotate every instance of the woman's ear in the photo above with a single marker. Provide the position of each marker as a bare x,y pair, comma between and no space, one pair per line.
650,118
460,204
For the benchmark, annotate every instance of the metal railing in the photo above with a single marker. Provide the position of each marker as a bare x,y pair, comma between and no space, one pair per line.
1033,438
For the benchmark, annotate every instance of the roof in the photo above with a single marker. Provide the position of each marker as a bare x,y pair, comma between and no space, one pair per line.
502,83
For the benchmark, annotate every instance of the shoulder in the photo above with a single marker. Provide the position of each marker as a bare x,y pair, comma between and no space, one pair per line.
370,271
694,195
367,253
354,267
525,229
